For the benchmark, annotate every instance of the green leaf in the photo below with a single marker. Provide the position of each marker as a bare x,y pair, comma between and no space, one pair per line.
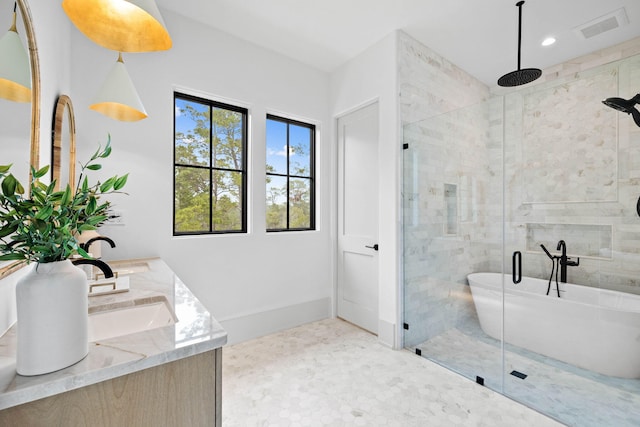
91,206
107,151
66,196
5,231
12,256
107,185
9,185
120,182
40,225
51,187
42,172
95,155
5,168
94,167
82,252
95,220
85,185
86,227
44,213
19,188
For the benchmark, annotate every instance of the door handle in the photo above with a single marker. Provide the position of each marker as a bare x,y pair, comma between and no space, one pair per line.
374,247
517,257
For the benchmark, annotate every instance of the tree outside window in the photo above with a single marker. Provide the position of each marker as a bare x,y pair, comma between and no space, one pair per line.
209,166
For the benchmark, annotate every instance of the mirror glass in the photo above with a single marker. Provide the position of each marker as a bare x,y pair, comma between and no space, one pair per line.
20,122
63,151
15,117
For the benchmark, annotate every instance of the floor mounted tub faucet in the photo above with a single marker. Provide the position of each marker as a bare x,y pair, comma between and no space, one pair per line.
565,261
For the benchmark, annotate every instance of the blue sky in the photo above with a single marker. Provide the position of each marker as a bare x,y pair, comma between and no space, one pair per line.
277,145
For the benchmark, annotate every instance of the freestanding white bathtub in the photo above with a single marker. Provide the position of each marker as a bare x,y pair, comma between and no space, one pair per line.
592,328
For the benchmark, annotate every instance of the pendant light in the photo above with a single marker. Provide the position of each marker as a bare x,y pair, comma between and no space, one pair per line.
120,25
118,98
520,76
15,70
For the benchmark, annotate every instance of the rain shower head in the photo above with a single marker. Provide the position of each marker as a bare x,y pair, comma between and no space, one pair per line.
520,76
626,106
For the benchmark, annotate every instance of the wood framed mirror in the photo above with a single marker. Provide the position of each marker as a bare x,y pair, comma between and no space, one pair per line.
63,150
24,11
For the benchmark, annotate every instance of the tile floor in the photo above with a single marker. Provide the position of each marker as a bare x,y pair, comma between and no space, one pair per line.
331,373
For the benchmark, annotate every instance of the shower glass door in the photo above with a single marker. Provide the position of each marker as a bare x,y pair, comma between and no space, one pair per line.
452,207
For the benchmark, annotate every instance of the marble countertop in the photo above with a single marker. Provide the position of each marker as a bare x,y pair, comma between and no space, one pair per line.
195,331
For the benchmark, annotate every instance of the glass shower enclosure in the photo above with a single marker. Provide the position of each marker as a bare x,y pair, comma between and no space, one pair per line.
490,291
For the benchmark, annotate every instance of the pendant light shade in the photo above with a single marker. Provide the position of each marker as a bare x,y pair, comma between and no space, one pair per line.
15,70
121,25
118,98
520,76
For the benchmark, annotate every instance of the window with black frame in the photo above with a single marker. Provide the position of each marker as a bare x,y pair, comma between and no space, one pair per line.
210,167
290,175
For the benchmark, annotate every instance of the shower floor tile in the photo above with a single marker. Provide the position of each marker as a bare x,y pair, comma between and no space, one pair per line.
572,395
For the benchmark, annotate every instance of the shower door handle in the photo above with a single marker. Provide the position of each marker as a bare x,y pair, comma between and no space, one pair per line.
517,257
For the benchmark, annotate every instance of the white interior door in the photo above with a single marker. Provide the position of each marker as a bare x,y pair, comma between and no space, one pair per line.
358,218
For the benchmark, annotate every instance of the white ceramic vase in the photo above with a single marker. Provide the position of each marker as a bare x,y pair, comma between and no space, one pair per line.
52,309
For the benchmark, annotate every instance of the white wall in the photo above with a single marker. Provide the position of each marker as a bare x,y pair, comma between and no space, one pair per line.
253,283
372,76
54,50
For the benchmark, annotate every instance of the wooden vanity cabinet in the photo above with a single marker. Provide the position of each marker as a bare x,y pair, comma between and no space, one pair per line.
185,392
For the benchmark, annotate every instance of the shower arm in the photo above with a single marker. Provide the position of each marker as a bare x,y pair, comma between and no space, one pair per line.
519,4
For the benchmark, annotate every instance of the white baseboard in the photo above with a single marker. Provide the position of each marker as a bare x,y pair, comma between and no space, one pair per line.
387,333
243,328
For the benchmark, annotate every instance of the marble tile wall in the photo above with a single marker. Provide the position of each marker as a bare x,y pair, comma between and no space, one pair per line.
587,240
430,85
569,144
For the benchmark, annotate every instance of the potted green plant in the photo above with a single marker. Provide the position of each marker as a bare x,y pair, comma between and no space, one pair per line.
41,226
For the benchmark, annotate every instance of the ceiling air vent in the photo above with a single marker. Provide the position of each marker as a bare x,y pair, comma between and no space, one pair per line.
608,22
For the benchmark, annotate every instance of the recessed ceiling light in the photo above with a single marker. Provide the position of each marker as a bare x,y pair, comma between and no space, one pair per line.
548,41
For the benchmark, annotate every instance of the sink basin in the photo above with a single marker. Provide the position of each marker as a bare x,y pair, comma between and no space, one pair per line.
129,317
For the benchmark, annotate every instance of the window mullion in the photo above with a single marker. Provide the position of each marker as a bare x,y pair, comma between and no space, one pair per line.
210,169
288,150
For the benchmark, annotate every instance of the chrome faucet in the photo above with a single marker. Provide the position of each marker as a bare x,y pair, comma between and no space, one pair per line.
565,261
